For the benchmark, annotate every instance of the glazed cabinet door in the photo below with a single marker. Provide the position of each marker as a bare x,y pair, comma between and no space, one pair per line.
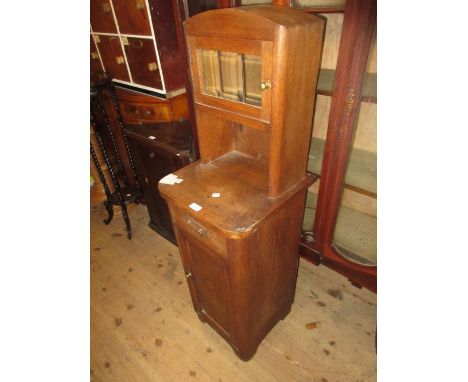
234,75
208,278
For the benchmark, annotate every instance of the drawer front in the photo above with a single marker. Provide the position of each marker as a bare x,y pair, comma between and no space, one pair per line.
144,112
132,17
112,57
199,232
143,63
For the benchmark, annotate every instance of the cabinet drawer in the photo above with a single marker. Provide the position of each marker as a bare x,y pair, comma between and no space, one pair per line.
112,57
145,112
143,63
199,231
132,17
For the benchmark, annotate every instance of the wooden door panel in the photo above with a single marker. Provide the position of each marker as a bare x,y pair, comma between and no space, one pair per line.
113,58
132,17
210,278
96,72
143,63
102,19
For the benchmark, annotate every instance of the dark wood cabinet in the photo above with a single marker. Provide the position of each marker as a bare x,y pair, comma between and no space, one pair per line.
137,44
237,212
159,149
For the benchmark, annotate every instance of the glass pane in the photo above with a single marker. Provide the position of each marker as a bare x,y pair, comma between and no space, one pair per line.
232,76
253,75
355,234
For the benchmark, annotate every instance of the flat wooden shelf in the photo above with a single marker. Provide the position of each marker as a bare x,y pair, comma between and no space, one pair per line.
355,232
369,87
361,175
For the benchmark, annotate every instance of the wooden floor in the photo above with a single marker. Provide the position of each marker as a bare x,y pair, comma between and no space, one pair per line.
144,328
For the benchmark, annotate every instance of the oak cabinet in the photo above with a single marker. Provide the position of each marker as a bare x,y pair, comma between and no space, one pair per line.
237,211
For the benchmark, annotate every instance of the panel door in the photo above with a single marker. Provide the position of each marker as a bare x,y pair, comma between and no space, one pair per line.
208,279
143,62
112,57
132,17
234,75
102,19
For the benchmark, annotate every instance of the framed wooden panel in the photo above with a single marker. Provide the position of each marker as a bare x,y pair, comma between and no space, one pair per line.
102,19
96,72
142,61
113,57
132,17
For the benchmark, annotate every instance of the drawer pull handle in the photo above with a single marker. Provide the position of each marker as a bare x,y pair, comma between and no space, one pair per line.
194,226
188,274
120,60
140,5
147,113
94,55
152,155
152,66
106,7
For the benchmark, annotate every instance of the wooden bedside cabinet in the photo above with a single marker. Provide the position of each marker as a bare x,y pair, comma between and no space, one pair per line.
159,149
237,212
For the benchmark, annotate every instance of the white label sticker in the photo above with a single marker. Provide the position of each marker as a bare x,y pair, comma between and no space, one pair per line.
171,179
152,137
215,195
195,207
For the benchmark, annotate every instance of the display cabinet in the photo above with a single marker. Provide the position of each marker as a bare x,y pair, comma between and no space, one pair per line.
237,212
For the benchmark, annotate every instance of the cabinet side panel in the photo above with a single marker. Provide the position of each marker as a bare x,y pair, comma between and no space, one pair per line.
164,24
295,81
263,273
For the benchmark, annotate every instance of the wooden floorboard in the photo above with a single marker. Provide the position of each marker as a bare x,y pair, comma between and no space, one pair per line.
144,328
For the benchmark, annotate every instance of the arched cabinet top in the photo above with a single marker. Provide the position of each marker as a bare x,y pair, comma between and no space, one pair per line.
250,22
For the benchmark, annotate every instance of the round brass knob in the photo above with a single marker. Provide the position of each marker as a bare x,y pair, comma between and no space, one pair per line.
188,274
264,85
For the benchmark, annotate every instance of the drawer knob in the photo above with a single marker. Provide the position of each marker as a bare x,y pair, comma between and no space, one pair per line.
198,228
94,55
106,7
140,5
152,155
120,60
188,274
264,85
152,66
147,113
